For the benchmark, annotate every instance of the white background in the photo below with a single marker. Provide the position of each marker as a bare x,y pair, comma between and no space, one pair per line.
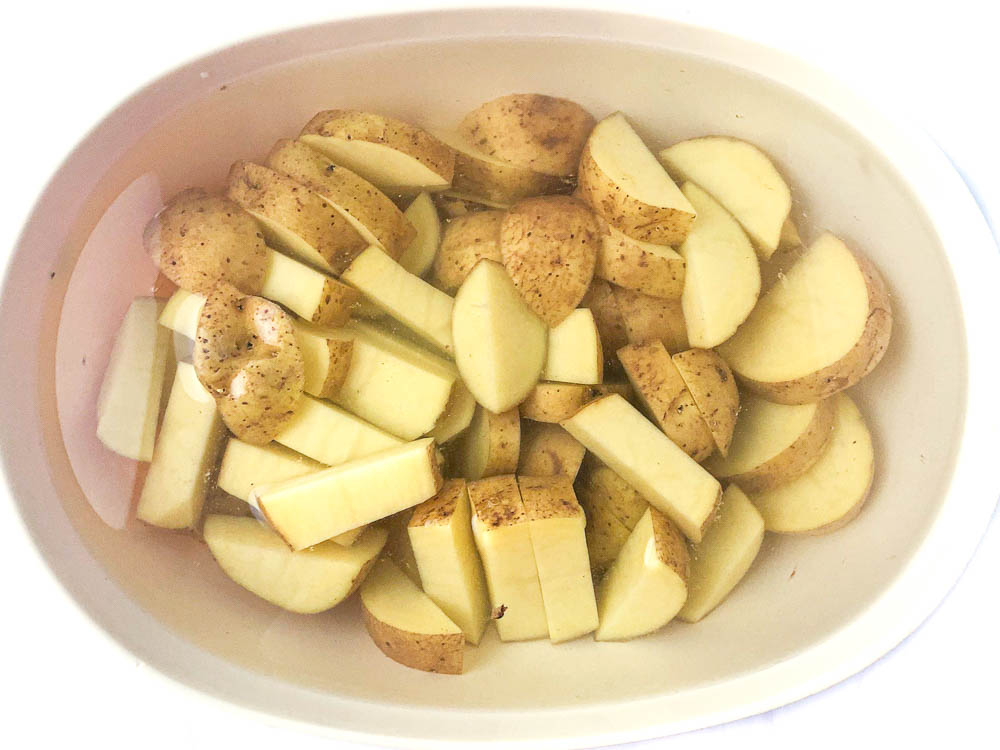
63,68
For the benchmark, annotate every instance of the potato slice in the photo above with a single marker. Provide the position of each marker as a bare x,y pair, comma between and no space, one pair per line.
549,247
397,546
310,581
364,206
440,532
128,406
832,491
503,538
647,319
821,330
406,625
647,584
723,275
538,132
656,270
311,295
548,450
326,358
606,535
632,446
713,388
724,556
600,485
623,181
419,254
554,402
186,449
458,414
666,397
499,343
391,154
601,300
740,177
490,446
774,443
467,240
181,312
574,352
294,218
331,435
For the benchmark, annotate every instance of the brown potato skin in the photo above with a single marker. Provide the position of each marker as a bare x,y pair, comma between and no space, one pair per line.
713,388
441,654
648,319
465,241
622,262
504,445
340,353
548,450
554,402
600,299
502,183
339,301
671,546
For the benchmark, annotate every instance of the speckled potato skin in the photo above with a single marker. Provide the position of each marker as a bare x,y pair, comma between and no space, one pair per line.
439,509
198,240
466,240
641,221
441,654
600,299
543,133
549,247
628,265
298,209
340,352
352,193
671,547
648,319
606,488
496,501
548,450
505,442
548,497
554,402
502,183
339,301
713,387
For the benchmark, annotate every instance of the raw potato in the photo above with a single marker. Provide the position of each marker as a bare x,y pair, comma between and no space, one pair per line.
467,240
621,387
458,414
625,184
601,486
647,319
294,218
248,358
713,388
724,556
664,394
647,584
740,177
310,294
723,275
220,503
833,490
574,351
197,240
397,546
418,256
307,582
406,625
790,237
554,402
656,270
391,154
490,446
453,204
326,358
548,450
820,330
499,343
181,312
601,300
539,132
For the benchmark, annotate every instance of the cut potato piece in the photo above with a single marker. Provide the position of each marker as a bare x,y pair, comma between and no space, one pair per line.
407,298
398,547
490,445
724,556
713,389
535,131
364,206
549,247
440,532
601,486
665,396
391,154
574,351
656,270
458,414
332,436
310,509
418,256
623,181
406,625
723,275
554,402
606,535
221,503
307,582
646,585
774,443
548,450
601,300
128,406
621,387
556,522
790,237
831,492
632,446
647,319
185,452
740,177
181,313
311,295
326,357
294,218
467,240
503,538
499,343
821,330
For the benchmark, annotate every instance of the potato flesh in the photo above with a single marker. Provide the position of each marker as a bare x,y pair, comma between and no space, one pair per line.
332,436
574,352
390,170
181,313
418,256
490,445
458,414
326,357
311,295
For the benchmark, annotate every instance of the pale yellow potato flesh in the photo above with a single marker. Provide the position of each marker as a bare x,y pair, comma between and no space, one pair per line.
713,388
313,296
398,547
467,239
790,236
548,450
656,270
326,356
490,445
574,353
418,255
181,312
458,414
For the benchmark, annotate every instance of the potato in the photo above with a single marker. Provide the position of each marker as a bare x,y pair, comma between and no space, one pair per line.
393,155
490,446
311,295
458,413
574,352
418,256
326,358
466,240
248,358
622,387
397,547
626,185
221,503
331,435
294,218
601,300
606,535
365,207
656,270
740,177
723,276
499,343
821,330
790,236
197,240
713,388
647,319
451,205
548,450
549,247
554,402
602,486
539,132
666,397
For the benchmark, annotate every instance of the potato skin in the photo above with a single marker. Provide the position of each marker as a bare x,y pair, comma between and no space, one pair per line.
600,299
624,262
548,450
554,402
713,387
543,133
648,319
503,444
430,653
466,240
501,183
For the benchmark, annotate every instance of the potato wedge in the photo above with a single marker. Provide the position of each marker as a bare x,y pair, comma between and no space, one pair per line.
622,387
326,358
548,450
419,254
602,486
656,270
601,300
606,535
466,240
821,330
647,319
391,154
625,184
713,388
574,352
490,446
181,312
554,402
398,548
549,247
